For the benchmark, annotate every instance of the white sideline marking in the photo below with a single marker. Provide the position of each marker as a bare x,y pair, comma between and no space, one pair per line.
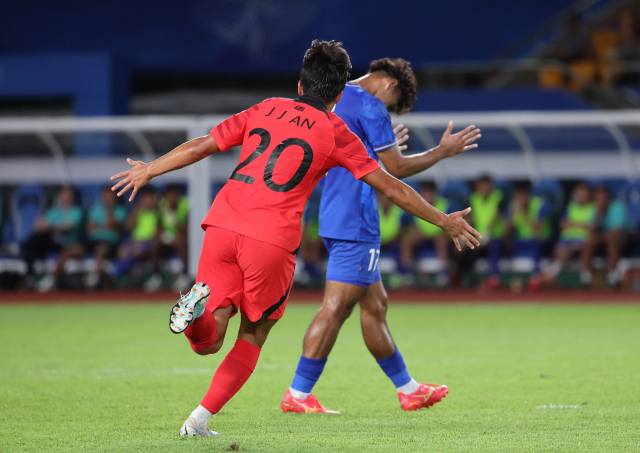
558,406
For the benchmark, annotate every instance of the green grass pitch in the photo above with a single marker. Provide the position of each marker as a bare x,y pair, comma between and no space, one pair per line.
522,378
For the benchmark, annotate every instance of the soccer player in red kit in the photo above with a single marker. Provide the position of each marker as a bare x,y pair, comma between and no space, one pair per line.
253,229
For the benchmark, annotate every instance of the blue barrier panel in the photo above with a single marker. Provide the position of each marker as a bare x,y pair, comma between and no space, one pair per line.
94,81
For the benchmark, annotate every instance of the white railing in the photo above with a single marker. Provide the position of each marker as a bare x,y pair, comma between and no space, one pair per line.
525,162
61,169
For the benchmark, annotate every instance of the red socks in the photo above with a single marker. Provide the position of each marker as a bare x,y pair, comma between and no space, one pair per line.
231,375
202,332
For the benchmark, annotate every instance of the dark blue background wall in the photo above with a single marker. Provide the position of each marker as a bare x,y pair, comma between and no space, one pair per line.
242,36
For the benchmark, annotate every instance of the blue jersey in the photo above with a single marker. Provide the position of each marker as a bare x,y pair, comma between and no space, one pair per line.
348,207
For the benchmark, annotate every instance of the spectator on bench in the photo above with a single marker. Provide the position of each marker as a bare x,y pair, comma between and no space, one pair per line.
58,231
104,229
575,228
528,227
390,223
609,231
143,225
488,205
174,212
424,233
392,234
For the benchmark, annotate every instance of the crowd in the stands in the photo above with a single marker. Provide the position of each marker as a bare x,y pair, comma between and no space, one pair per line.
145,244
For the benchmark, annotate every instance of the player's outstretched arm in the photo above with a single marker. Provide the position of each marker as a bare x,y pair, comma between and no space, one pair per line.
410,201
186,154
450,145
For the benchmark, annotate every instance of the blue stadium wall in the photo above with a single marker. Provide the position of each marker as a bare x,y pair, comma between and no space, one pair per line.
245,36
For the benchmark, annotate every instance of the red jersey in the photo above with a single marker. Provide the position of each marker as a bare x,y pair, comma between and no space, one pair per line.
288,145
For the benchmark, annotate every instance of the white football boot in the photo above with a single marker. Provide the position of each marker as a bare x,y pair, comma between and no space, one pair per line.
189,308
190,428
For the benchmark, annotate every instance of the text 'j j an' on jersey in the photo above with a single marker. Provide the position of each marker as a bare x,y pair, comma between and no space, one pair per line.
288,145
348,207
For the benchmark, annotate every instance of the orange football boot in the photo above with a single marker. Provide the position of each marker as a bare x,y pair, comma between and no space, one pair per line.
426,396
309,404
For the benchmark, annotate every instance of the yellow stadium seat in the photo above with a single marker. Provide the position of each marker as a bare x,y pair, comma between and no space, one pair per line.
604,40
584,72
550,77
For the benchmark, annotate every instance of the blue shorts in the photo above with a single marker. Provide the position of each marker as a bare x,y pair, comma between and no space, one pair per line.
355,263
565,243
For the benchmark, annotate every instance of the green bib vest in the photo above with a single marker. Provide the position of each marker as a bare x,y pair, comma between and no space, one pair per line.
524,225
427,229
171,219
389,223
146,226
582,215
485,210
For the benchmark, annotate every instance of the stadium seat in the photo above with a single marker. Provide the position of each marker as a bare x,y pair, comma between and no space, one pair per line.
457,192
604,40
630,194
27,204
615,186
312,210
88,194
505,186
584,72
5,226
415,185
550,77
552,192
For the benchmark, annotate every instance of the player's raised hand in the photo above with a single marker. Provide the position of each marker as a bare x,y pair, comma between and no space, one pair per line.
459,229
454,144
134,178
402,135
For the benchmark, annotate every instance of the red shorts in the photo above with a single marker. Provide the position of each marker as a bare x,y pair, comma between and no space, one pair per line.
253,276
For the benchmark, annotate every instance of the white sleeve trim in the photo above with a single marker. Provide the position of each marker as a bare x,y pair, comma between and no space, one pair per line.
383,147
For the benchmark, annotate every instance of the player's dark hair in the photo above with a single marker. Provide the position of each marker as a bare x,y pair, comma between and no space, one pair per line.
325,70
484,178
400,70
428,185
149,190
173,188
523,186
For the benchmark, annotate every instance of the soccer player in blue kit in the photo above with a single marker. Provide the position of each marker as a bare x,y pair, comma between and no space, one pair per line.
350,228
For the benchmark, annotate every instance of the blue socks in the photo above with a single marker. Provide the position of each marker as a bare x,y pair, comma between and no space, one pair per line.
309,371
395,369
307,374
